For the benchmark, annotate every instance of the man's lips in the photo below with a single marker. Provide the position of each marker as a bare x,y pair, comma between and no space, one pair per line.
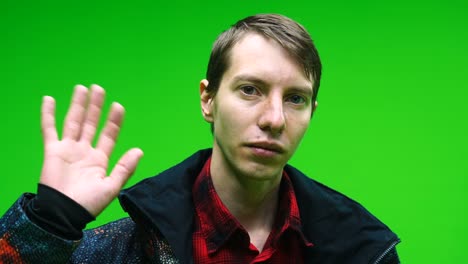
267,146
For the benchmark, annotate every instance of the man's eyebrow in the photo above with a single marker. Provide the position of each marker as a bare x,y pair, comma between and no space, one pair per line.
249,78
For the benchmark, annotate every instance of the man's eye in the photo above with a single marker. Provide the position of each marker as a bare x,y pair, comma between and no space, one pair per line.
249,90
297,99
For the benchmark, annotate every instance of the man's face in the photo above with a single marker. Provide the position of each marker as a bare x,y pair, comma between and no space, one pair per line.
260,111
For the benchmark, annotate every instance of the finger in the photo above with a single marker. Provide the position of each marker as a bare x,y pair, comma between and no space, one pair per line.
49,131
111,130
93,113
125,167
76,113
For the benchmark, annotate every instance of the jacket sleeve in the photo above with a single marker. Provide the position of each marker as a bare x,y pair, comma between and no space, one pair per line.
116,242
21,241
390,258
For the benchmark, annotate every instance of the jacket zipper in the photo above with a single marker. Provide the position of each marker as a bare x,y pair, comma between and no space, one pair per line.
392,246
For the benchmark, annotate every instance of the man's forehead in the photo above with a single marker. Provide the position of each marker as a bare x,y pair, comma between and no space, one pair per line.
259,58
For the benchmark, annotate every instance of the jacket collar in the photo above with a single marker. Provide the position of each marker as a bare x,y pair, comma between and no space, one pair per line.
340,229
165,202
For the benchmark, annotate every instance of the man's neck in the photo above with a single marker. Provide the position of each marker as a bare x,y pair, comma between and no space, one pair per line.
252,202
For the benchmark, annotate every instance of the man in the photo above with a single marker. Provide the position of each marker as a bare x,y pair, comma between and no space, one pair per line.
236,203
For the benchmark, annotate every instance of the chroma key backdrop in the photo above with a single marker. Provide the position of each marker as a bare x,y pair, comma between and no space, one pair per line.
390,130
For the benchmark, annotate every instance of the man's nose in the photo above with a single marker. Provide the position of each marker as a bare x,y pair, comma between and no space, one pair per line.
272,116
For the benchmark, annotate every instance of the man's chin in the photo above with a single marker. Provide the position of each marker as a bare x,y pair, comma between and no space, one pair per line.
263,172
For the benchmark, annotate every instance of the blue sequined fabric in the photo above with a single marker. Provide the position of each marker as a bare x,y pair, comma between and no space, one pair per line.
121,241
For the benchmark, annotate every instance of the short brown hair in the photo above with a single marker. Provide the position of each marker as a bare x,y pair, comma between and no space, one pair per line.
292,36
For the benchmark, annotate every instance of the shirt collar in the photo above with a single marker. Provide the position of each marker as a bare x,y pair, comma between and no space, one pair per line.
218,225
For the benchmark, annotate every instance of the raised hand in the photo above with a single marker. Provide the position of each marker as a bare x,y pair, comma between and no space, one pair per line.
72,165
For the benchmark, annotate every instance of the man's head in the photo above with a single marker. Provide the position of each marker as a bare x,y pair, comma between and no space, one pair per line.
288,33
261,97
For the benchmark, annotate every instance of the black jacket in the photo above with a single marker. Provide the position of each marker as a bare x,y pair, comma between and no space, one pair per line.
160,230
341,230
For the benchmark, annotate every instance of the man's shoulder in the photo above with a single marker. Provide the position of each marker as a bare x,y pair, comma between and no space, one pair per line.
164,202
115,242
320,198
182,174
338,226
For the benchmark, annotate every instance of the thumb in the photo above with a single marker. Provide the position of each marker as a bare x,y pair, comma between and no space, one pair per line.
126,166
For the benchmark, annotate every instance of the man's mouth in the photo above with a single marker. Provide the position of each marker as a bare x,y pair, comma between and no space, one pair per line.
266,147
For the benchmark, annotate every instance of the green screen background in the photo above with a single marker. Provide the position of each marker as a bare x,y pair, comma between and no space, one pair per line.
390,130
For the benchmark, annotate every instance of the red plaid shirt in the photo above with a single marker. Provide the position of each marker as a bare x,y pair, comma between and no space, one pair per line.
220,238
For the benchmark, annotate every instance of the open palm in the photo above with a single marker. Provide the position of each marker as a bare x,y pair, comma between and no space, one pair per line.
72,165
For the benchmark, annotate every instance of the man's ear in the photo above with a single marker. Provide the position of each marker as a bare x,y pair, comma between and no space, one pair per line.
206,100
314,107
